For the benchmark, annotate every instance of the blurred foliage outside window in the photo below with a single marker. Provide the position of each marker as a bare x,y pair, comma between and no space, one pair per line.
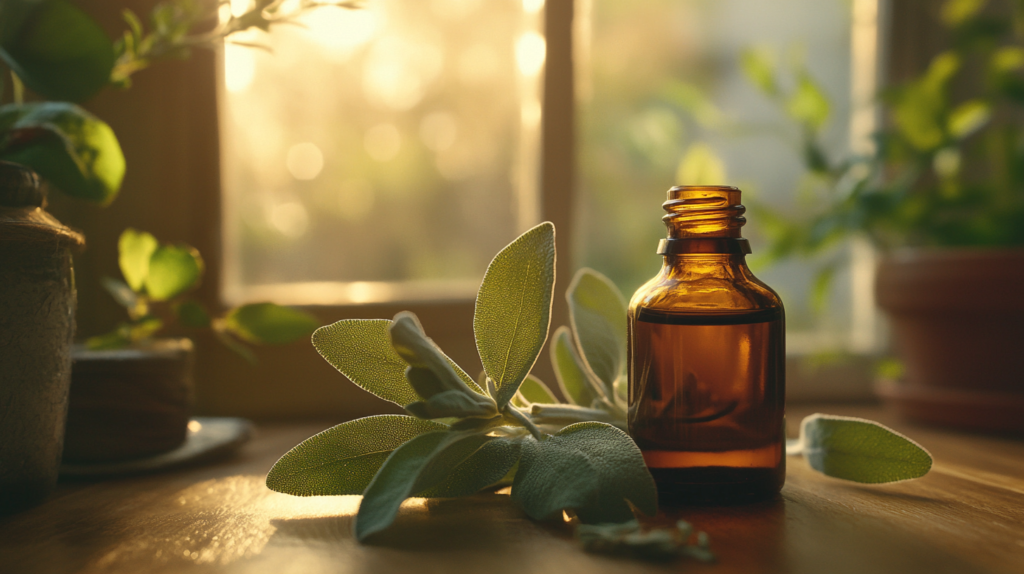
665,98
381,153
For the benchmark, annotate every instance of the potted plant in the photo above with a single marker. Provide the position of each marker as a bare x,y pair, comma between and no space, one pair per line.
941,197
58,57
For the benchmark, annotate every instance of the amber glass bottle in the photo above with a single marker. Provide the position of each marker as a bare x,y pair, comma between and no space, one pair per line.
707,360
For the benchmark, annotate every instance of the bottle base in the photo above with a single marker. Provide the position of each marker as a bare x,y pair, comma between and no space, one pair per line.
716,485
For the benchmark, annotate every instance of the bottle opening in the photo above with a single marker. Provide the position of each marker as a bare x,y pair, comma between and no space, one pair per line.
704,211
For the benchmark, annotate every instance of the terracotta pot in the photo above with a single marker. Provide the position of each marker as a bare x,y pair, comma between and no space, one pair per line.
957,319
129,403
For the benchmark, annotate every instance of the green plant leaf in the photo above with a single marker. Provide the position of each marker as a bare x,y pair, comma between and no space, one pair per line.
121,293
232,343
957,11
860,450
421,353
453,403
417,465
513,309
269,323
116,339
701,166
361,350
759,66
134,249
55,48
486,467
192,314
577,386
533,390
597,313
173,269
968,118
591,467
552,477
69,147
808,104
344,458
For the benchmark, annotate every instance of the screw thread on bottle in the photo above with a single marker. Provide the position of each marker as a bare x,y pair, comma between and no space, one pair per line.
696,211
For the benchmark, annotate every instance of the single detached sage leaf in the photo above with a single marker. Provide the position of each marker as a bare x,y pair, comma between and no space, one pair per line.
513,309
860,450
577,385
411,343
134,248
55,48
417,465
173,269
269,323
597,312
344,458
533,390
361,350
486,467
69,147
612,459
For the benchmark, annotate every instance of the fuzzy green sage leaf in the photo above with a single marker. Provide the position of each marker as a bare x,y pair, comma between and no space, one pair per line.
597,311
419,351
533,390
513,309
577,386
361,350
419,464
591,467
344,458
859,450
486,467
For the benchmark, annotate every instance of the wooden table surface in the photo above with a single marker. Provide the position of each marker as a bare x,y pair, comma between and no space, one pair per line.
966,516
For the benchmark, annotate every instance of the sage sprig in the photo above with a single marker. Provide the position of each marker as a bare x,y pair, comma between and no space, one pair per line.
462,436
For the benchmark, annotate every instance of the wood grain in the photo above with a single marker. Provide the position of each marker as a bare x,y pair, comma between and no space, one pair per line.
966,516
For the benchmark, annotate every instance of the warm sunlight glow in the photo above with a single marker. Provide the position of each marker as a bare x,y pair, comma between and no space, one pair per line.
341,32
454,9
239,68
195,426
289,218
304,161
438,131
478,64
531,113
383,142
355,199
530,53
398,71
239,7
532,6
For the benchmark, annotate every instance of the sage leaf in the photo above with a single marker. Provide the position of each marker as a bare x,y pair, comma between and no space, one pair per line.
860,450
269,324
597,313
533,390
69,147
173,269
486,467
552,477
417,465
591,467
134,248
344,458
513,309
453,403
577,386
361,350
55,48
411,343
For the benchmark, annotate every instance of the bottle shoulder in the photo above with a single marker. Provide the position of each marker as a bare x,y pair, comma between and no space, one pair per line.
737,291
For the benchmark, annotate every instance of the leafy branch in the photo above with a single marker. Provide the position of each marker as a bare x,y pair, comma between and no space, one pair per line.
508,427
155,273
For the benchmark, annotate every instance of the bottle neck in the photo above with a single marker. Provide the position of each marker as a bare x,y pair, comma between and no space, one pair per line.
703,220
694,265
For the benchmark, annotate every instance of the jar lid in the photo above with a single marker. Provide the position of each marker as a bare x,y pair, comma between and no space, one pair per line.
19,186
